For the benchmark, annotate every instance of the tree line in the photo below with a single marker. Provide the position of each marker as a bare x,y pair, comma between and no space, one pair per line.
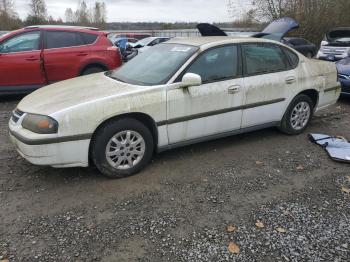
37,14
316,17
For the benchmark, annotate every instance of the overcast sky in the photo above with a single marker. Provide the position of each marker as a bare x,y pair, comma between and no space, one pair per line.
145,10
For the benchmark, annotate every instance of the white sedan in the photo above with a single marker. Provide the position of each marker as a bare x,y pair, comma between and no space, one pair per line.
178,93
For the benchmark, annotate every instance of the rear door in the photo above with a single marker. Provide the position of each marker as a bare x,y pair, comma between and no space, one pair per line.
269,82
213,108
20,61
64,54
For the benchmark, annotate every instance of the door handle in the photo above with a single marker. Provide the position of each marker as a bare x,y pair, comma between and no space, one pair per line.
82,54
290,80
234,89
32,59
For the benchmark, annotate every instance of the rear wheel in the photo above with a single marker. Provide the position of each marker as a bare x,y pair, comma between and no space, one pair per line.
122,148
298,115
92,70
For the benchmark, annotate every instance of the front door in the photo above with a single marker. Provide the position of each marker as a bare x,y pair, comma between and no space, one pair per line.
20,62
213,108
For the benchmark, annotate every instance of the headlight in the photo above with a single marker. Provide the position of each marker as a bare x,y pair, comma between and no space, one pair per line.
40,124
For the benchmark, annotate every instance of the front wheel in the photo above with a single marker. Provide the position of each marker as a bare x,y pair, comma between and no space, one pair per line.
122,148
298,115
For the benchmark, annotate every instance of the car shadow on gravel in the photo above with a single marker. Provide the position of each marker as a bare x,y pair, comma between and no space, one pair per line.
11,98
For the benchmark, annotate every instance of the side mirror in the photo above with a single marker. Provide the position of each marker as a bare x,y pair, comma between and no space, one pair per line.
191,79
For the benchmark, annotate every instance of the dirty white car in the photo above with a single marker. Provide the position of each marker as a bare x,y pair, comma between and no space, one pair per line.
177,93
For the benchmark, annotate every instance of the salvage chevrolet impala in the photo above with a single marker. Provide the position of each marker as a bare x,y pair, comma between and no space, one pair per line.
178,93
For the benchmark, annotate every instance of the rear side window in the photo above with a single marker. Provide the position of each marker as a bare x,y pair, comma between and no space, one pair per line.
89,38
60,39
263,59
293,58
216,64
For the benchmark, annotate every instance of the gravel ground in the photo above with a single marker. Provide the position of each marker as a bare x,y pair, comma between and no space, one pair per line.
261,196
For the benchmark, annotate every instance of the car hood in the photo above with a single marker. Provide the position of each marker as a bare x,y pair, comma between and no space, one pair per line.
210,30
337,33
343,66
278,29
334,34
74,92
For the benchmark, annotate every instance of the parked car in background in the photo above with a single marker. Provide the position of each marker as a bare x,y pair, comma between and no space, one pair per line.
177,93
137,36
276,30
302,45
148,42
39,55
343,67
123,41
335,45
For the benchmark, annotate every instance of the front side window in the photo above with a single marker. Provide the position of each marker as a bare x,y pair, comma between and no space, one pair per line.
21,43
216,64
60,39
263,59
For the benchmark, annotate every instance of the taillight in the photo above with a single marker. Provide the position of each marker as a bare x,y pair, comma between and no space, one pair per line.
112,48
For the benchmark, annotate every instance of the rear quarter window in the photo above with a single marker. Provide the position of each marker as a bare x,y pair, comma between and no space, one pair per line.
89,38
292,57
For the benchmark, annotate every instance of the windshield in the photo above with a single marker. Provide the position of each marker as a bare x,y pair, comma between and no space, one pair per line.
155,66
342,40
339,35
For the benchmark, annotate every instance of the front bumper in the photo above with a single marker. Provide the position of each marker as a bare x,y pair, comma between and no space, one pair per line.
331,57
73,153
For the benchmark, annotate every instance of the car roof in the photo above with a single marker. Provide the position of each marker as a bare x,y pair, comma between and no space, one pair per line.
61,27
215,40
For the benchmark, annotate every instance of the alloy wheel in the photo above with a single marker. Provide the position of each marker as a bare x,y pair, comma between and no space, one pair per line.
300,115
125,149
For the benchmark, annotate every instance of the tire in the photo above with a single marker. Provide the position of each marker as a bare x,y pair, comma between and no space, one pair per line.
127,158
92,70
302,117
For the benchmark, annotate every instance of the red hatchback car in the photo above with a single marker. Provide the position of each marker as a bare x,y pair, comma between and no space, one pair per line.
39,55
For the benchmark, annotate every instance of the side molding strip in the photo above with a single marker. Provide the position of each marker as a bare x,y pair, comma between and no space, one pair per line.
218,112
332,89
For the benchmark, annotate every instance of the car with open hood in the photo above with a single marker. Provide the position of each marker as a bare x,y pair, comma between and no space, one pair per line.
177,93
276,30
335,45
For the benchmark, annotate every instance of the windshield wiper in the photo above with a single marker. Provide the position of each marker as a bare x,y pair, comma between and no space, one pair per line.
115,78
